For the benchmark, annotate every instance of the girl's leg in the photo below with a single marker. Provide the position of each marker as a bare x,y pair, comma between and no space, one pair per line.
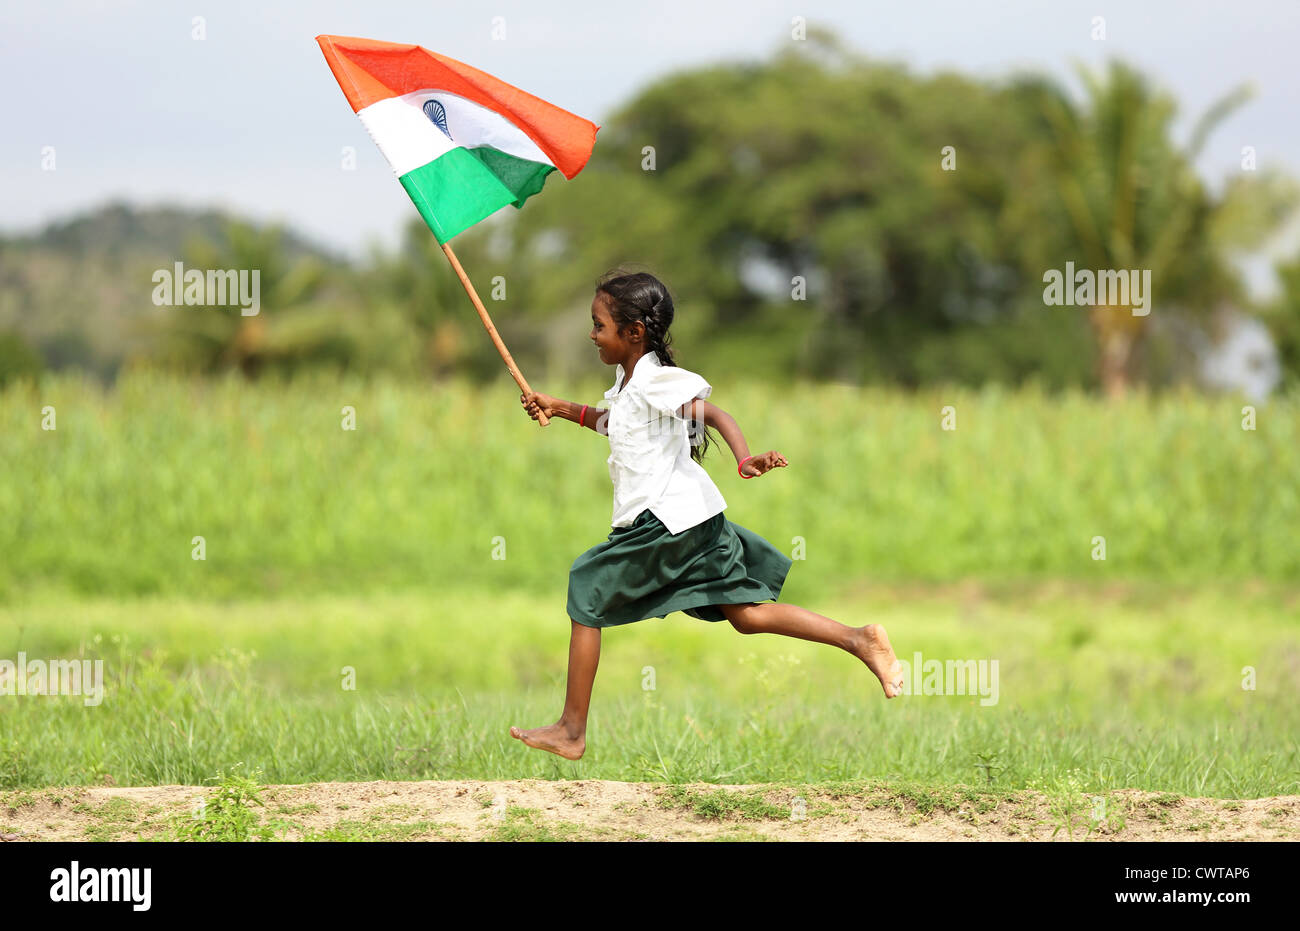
869,644
568,736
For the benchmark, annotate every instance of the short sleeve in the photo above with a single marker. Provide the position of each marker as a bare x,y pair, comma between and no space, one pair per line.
671,387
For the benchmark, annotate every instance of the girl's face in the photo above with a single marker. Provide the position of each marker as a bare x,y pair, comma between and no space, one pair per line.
612,347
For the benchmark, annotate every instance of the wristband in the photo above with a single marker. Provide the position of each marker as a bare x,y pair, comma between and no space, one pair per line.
583,415
741,464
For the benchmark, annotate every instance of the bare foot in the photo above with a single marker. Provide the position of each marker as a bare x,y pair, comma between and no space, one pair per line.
555,738
873,648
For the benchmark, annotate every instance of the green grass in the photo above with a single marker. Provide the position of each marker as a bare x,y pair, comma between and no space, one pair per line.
1120,688
526,824
365,557
288,502
376,831
723,805
228,814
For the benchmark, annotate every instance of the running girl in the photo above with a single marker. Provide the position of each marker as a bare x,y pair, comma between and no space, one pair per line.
670,547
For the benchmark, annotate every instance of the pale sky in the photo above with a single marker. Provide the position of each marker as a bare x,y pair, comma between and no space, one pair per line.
250,118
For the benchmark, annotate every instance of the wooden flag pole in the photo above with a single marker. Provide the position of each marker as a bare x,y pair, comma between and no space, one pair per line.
542,419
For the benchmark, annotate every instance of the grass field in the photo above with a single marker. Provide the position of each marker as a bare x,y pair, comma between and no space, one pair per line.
1171,666
1132,688
433,480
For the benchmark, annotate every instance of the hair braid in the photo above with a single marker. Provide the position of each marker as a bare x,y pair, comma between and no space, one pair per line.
657,335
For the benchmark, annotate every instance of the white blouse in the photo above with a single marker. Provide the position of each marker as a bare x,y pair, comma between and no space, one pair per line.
650,460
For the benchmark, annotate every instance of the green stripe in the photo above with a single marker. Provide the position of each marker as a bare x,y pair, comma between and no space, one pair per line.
463,186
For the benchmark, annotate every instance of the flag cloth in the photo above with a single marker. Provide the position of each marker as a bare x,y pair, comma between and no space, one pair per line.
463,143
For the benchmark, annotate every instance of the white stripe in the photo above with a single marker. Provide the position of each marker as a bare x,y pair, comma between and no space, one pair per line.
410,139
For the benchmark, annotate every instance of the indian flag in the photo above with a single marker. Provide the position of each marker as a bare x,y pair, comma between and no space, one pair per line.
463,143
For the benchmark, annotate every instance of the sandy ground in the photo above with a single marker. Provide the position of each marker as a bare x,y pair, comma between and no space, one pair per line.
604,810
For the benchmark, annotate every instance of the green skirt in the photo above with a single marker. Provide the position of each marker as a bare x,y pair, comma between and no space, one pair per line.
643,571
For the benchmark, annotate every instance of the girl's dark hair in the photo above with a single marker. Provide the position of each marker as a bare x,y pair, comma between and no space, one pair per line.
641,297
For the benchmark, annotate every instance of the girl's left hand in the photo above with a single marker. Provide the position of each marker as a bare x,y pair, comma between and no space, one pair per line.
764,463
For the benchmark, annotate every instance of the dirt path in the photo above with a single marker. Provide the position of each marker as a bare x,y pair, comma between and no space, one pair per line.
603,810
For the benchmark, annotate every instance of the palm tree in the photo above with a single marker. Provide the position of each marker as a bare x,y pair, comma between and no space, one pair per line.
221,337
1130,198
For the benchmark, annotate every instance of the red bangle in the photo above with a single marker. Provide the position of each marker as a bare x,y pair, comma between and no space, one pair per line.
583,415
740,465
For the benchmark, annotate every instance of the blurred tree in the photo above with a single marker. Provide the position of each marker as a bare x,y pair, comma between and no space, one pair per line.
819,170
815,214
17,359
294,325
1282,317
420,284
1106,187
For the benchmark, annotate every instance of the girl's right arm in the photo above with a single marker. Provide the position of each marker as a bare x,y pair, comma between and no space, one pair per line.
596,418
713,416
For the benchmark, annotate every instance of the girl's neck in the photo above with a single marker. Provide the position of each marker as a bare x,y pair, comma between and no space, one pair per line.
629,365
